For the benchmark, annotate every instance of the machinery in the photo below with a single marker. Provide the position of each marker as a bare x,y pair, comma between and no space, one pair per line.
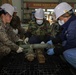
35,50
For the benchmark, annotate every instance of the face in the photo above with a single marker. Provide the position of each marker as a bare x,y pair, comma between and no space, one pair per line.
8,18
63,19
39,21
15,13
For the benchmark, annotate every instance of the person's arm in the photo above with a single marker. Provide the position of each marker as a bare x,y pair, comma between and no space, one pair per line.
70,39
31,29
13,35
71,36
70,42
57,49
5,40
48,27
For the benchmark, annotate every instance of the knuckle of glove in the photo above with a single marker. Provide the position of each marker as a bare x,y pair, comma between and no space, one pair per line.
49,42
19,50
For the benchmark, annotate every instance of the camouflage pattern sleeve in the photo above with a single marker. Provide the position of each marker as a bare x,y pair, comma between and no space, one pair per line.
29,27
32,27
5,39
21,32
13,36
54,29
48,28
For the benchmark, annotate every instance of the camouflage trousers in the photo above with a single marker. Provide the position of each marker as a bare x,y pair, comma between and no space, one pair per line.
4,50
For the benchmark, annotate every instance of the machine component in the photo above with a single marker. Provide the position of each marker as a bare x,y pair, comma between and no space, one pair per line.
30,55
29,52
40,55
35,46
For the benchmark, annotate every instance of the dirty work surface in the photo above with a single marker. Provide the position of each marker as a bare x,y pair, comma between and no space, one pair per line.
16,64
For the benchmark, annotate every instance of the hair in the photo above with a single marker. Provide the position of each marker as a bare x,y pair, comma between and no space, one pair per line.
2,11
15,22
71,12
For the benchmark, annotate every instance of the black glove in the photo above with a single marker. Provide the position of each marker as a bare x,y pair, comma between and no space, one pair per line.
56,40
58,49
28,34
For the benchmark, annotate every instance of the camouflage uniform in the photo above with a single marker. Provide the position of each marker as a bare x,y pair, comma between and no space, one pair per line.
7,39
55,29
39,33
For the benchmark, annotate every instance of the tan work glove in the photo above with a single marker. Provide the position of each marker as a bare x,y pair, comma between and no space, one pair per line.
20,49
26,40
42,42
15,31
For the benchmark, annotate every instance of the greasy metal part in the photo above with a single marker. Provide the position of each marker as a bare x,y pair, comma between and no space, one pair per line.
35,46
29,53
40,56
30,57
